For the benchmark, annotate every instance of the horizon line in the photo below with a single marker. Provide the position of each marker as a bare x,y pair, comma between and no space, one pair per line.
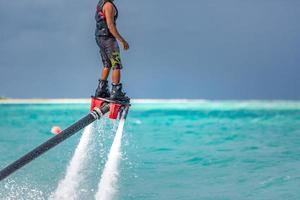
137,100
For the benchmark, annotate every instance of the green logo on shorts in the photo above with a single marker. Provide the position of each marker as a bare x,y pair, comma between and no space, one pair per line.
115,60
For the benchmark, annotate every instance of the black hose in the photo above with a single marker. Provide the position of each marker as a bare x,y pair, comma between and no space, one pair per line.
85,121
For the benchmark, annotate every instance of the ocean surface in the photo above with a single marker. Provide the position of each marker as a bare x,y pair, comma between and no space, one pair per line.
170,150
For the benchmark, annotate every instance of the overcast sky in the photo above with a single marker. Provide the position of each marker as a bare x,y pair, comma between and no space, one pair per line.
205,49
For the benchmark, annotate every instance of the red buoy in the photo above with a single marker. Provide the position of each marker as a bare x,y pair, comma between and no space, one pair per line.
56,130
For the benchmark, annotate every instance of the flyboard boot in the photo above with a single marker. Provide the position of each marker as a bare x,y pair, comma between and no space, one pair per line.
102,89
117,94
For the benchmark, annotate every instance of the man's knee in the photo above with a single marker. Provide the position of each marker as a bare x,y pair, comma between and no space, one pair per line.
116,67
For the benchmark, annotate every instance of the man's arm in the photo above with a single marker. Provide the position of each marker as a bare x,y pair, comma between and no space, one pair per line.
109,12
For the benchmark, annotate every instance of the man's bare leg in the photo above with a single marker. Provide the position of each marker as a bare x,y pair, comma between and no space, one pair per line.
116,76
105,73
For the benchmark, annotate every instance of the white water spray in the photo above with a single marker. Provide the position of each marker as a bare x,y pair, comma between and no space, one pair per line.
108,184
69,187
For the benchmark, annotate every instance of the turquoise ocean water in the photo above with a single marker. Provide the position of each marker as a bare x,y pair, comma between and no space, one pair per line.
187,150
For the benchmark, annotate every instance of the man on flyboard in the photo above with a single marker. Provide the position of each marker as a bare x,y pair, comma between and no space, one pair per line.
107,36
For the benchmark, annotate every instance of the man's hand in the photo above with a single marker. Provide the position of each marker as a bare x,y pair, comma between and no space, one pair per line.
125,45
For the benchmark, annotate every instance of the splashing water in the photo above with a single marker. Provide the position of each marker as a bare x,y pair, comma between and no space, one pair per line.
69,187
21,191
107,185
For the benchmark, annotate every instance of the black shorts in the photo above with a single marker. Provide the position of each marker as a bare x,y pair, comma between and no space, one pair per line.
110,52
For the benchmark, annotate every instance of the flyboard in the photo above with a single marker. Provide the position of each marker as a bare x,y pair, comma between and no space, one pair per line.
99,107
115,107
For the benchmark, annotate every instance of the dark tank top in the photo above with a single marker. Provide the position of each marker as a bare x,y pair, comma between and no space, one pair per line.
101,25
